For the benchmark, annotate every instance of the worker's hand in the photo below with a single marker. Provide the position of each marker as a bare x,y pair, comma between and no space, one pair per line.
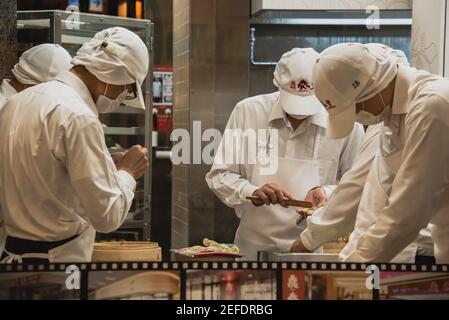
317,197
134,161
271,193
116,157
298,247
302,214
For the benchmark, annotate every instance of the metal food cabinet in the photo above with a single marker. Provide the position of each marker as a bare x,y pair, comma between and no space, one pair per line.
126,126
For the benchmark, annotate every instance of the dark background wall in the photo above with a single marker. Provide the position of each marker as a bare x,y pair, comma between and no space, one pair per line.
160,12
211,75
8,37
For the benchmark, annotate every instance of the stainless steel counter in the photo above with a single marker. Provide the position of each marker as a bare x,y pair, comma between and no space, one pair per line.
297,257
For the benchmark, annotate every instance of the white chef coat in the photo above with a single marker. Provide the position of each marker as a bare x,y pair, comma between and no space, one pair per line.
339,215
420,189
6,92
232,182
57,178
345,207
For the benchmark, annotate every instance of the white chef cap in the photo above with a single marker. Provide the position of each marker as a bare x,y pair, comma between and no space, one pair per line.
389,52
346,74
293,77
41,63
384,69
116,56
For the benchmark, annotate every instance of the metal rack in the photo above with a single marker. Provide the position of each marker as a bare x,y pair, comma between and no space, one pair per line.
71,30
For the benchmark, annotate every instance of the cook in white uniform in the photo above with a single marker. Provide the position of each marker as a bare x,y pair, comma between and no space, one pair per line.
39,64
58,182
36,65
295,123
339,216
355,84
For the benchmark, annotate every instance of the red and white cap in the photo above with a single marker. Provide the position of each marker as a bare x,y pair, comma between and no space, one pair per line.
346,74
293,77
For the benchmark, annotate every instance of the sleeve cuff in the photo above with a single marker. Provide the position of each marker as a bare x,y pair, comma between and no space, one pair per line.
307,240
328,190
248,190
127,179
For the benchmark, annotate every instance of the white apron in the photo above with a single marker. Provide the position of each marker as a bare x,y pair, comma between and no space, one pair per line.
77,250
376,194
273,228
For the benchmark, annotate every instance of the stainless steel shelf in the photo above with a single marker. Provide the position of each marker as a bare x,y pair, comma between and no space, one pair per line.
133,224
119,131
297,257
331,17
128,110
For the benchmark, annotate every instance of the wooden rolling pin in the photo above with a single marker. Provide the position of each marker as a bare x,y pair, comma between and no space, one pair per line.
293,203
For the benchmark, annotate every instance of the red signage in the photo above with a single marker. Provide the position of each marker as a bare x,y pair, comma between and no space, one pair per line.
292,285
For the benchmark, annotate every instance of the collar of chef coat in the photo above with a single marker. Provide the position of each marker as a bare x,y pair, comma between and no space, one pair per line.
401,104
401,90
76,83
319,119
6,89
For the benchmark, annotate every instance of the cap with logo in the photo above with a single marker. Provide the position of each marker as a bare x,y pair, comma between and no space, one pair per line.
388,51
293,77
116,56
346,74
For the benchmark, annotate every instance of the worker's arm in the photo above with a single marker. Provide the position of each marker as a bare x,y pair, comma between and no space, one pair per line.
338,216
420,181
225,178
106,193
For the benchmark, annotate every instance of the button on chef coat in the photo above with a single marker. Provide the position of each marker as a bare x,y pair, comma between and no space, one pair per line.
420,189
232,182
56,174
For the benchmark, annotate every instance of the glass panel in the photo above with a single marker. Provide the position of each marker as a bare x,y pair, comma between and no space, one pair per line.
74,32
32,32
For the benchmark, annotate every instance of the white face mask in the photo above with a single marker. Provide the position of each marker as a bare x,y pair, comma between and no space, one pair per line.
108,105
368,119
298,117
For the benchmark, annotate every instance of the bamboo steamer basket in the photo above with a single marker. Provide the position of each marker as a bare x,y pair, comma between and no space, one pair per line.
117,251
